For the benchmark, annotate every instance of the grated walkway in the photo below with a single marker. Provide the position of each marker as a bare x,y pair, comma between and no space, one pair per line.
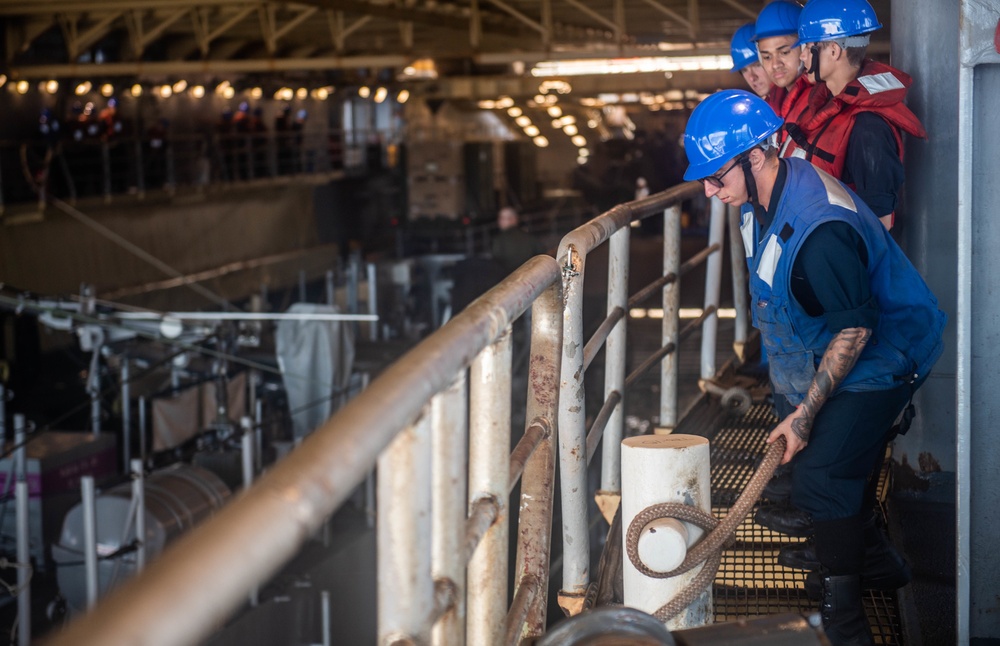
750,583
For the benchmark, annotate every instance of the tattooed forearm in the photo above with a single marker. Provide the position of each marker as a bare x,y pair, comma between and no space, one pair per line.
837,362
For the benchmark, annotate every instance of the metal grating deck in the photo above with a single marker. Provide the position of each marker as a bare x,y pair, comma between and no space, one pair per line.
750,583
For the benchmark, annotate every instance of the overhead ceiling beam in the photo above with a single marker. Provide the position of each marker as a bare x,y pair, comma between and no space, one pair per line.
669,13
739,6
520,16
161,68
76,42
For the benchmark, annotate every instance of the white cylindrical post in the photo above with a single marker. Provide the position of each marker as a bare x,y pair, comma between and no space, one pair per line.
142,429
139,496
20,450
246,446
325,610
713,282
614,360
372,301
658,469
89,538
669,367
23,562
331,292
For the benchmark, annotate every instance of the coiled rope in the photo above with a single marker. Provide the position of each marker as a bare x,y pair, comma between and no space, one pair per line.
709,549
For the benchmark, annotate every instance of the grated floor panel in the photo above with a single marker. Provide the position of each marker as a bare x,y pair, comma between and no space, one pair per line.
750,583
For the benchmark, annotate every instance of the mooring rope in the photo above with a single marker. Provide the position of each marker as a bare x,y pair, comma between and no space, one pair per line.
709,549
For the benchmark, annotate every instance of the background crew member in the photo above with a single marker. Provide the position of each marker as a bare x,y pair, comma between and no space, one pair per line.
776,35
853,131
850,327
746,62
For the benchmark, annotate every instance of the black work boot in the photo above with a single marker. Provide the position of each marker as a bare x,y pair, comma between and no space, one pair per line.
785,519
799,556
779,487
844,619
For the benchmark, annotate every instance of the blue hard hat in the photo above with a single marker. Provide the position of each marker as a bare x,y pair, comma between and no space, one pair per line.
835,19
724,125
742,48
780,18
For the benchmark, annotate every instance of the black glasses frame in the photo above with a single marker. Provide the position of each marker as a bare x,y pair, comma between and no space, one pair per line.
716,180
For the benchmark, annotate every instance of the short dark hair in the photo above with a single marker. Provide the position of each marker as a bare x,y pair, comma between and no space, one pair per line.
856,55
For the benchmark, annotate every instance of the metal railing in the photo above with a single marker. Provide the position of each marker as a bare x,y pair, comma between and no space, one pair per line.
442,531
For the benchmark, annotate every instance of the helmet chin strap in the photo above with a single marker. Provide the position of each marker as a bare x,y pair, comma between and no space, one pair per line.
814,66
751,183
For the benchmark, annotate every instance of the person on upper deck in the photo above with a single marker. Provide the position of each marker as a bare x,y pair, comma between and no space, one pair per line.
776,35
746,61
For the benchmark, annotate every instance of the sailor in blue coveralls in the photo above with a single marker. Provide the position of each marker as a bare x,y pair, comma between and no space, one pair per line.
849,326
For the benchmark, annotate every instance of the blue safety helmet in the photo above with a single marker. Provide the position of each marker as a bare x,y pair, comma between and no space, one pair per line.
823,20
780,18
742,48
724,125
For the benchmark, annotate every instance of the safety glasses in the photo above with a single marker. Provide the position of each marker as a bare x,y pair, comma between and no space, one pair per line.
716,180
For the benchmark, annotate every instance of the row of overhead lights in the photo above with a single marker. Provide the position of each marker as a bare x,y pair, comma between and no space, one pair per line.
223,89
565,123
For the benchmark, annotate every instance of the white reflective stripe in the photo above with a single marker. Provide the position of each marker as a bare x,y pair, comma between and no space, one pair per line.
883,82
746,232
798,152
836,194
769,260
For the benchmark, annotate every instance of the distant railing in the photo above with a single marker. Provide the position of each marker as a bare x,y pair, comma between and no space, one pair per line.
437,425
122,165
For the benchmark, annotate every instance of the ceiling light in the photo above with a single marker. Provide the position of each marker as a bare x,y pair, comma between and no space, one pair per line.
505,102
403,96
581,160
524,121
531,131
364,91
570,130
52,86
180,86
166,91
256,93
3,80
380,94
632,65
136,90
22,87
555,111
82,88
583,152
515,111
539,98
487,105
198,91
579,141
541,141
301,93
229,92
568,119
221,87
107,89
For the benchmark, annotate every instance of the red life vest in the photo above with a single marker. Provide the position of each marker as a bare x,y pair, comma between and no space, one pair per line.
822,132
790,103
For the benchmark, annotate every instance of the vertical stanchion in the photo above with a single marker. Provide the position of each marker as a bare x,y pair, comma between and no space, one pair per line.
669,367
331,292
139,502
23,563
449,424
489,475
258,433
89,538
534,520
573,439
94,390
372,301
302,285
21,500
713,282
126,415
741,298
405,585
614,373
246,451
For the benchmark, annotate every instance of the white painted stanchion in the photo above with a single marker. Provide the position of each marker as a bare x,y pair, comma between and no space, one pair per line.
659,469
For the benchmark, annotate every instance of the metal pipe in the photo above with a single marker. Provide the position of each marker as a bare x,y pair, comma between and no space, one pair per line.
484,513
670,367
142,429
534,540
449,436
139,498
614,363
489,472
331,292
520,608
89,538
20,450
252,537
741,294
21,497
246,451
600,423
666,279
405,584
537,431
713,282
94,387
126,416
600,335
324,599
573,435
372,301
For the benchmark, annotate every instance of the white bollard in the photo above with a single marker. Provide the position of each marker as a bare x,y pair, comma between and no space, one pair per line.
658,469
